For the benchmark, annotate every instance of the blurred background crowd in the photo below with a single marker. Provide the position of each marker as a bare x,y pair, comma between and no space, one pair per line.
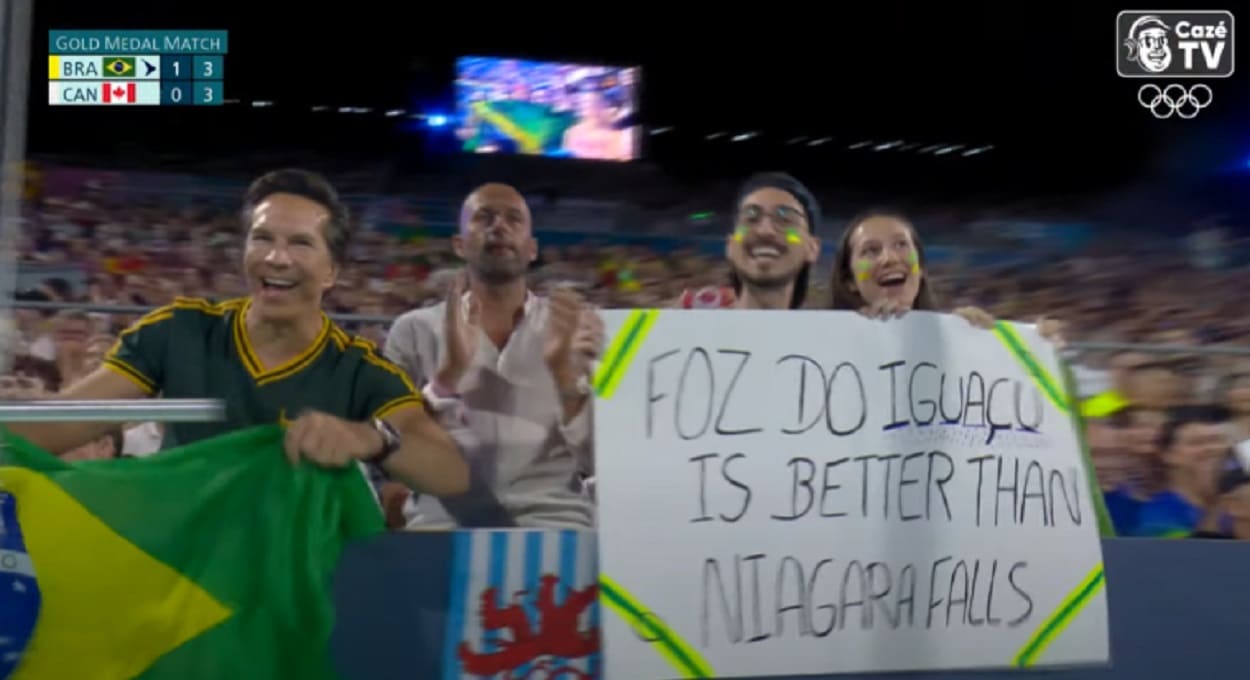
1162,426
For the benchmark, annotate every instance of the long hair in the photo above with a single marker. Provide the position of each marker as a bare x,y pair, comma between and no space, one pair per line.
842,285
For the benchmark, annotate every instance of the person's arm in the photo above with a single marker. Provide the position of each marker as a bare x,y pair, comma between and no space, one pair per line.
428,460
132,369
479,506
62,437
576,424
575,339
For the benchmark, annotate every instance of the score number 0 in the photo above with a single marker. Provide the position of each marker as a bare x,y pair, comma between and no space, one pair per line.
176,93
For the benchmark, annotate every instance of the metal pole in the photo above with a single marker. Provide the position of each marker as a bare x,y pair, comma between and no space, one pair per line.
14,74
92,307
1238,350
114,411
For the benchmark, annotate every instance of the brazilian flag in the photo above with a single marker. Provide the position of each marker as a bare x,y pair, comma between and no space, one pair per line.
211,561
534,128
118,67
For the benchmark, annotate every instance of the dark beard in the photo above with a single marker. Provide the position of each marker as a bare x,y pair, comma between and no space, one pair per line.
773,282
496,274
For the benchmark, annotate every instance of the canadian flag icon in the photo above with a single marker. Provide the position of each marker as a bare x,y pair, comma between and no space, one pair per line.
119,94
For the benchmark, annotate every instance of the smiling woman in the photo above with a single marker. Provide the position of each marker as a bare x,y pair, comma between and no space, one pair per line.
880,267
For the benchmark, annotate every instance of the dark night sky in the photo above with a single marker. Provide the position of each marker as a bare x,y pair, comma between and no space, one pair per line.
1038,84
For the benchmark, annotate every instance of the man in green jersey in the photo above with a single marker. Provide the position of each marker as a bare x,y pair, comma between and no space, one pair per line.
274,356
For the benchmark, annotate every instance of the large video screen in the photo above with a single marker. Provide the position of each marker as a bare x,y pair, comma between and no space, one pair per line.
551,109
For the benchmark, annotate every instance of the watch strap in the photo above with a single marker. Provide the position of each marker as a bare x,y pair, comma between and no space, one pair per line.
390,441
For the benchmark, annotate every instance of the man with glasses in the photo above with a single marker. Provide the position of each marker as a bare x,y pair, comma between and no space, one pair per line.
771,249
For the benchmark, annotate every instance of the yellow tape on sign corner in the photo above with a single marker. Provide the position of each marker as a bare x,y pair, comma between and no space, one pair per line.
684,658
1048,386
621,350
1067,611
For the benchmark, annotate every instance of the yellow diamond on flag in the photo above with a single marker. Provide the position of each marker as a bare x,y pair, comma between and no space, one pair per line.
119,599
119,66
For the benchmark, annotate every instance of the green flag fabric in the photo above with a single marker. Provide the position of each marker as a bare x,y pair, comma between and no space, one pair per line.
212,560
535,128
118,67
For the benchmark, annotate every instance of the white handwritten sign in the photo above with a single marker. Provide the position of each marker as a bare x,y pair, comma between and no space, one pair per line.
787,493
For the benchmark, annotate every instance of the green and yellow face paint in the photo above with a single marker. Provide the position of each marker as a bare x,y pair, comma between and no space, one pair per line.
913,259
793,237
863,269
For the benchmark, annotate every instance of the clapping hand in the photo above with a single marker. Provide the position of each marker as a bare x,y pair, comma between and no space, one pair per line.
574,336
461,332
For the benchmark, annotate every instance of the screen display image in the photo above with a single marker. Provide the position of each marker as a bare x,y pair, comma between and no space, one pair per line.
550,109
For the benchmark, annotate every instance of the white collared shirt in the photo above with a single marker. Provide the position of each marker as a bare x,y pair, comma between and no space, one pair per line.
508,421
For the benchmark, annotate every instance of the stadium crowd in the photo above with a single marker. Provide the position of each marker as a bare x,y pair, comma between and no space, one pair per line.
1162,427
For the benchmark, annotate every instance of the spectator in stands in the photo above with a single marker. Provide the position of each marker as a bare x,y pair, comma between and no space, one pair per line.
1137,473
771,249
1159,384
71,330
510,365
1236,503
275,353
30,377
881,270
1194,443
1234,394
33,325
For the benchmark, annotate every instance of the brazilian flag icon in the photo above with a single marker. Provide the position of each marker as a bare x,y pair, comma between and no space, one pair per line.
119,67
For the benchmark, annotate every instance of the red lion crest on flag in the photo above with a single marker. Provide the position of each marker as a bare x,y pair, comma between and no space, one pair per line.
557,634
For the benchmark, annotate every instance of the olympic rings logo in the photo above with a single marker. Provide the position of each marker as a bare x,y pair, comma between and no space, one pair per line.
1174,100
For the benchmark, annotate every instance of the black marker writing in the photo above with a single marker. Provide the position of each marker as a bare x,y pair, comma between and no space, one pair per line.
729,391
1025,492
700,403
726,473
652,395
841,385
755,597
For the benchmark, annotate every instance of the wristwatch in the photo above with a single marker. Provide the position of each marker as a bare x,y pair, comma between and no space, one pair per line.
390,441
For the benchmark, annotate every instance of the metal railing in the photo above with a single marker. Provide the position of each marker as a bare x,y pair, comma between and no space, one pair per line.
114,411
95,308
1070,348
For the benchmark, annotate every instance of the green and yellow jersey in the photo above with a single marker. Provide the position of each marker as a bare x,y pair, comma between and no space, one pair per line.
196,349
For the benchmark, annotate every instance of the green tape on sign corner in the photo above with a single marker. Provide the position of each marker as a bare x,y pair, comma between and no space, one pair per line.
621,351
684,658
1047,384
1054,624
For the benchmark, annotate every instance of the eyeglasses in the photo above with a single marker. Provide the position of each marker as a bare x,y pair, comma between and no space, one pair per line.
783,216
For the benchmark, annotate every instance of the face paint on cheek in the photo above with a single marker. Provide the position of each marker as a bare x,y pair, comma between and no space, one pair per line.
792,236
863,270
914,260
740,233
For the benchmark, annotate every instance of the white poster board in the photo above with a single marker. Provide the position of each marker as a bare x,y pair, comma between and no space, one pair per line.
786,493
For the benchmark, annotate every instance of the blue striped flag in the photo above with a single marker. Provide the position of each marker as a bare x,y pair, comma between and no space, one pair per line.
524,604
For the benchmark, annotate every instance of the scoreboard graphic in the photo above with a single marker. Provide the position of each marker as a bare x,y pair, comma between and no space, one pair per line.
136,68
